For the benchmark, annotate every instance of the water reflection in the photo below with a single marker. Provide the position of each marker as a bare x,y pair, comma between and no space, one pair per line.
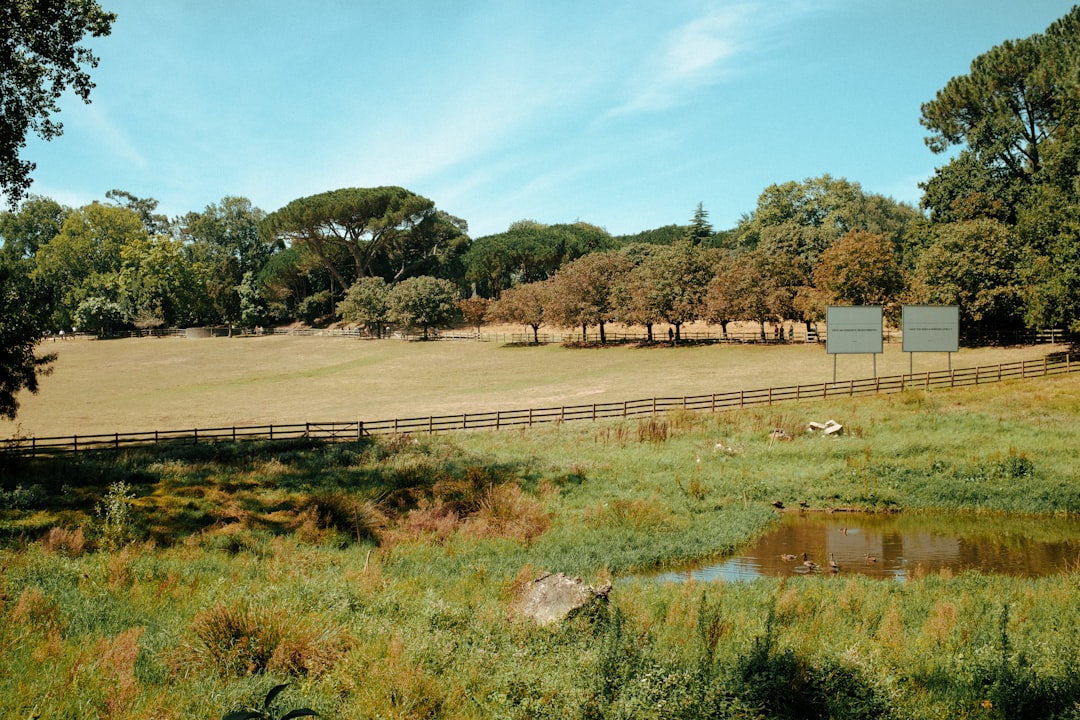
897,547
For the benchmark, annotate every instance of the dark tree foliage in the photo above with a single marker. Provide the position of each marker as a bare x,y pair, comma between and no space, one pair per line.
375,228
40,58
665,235
37,221
23,312
154,222
1016,119
529,251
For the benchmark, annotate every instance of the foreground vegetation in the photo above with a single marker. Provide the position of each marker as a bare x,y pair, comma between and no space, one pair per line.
379,579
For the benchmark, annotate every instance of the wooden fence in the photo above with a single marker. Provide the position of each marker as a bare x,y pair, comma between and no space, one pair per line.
501,419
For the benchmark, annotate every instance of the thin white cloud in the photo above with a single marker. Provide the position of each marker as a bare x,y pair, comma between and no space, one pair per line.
113,140
694,54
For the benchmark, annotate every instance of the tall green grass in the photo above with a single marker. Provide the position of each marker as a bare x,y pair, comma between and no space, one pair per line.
379,579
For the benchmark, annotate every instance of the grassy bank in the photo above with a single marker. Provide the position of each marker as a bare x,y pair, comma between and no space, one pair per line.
379,579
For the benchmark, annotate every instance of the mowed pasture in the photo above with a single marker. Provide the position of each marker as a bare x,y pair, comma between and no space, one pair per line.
135,385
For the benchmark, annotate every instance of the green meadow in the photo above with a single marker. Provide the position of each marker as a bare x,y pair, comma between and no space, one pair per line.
380,579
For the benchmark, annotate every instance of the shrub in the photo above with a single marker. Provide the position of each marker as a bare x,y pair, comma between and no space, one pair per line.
245,639
506,511
359,519
64,541
115,514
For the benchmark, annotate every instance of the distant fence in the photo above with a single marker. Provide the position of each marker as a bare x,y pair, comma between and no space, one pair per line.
500,419
798,334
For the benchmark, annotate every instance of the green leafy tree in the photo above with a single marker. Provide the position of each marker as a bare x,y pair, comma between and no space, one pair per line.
24,310
1005,109
352,230
701,230
584,292
758,286
529,251
974,265
367,301
525,304
1015,117
98,315
474,311
433,246
671,283
154,222
289,280
861,268
84,259
665,235
253,309
37,221
40,58
803,219
424,302
225,244
634,297
157,283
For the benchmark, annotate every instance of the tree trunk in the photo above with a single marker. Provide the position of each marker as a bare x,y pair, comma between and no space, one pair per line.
603,337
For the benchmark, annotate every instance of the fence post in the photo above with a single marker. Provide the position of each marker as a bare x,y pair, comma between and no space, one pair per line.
75,444
195,433
116,441
465,421
741,398
851,387
271,431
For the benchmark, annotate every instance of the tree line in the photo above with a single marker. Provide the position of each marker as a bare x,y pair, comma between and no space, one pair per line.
996,233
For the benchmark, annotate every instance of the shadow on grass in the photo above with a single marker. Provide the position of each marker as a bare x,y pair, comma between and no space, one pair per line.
271,486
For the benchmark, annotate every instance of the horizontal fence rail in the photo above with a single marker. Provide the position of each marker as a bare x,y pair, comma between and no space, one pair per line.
501,419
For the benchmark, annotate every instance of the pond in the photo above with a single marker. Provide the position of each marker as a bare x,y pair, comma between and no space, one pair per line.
896,547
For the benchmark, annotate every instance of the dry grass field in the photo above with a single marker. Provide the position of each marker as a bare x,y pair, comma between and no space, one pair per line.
151,384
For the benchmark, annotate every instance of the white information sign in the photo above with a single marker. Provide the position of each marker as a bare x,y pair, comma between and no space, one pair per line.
853,329
931,328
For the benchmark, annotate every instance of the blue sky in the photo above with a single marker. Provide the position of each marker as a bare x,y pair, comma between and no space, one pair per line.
625,115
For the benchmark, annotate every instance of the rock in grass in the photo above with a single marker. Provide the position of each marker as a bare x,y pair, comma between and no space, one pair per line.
554,596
